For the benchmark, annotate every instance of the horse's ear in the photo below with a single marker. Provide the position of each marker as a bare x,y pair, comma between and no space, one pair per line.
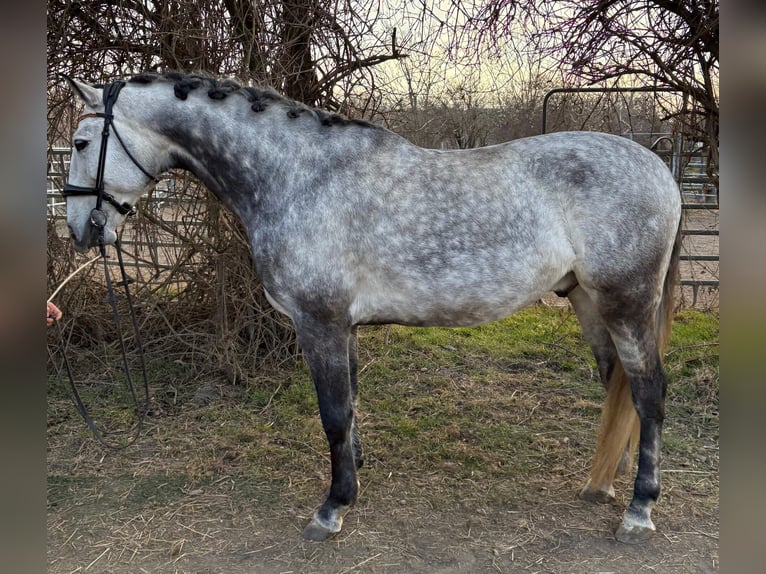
87,93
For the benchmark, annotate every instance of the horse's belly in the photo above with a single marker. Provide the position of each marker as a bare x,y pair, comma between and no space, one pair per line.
437,309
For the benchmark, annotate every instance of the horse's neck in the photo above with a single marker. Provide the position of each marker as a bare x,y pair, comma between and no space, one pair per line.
256,160
238,158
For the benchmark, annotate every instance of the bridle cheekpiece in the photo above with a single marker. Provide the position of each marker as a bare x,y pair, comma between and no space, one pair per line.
98,217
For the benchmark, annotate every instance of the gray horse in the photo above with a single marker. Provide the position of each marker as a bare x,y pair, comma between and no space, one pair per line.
351,224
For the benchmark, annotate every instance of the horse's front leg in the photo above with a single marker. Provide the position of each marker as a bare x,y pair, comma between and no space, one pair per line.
326,349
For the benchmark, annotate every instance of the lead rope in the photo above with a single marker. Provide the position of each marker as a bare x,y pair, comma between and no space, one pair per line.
102,434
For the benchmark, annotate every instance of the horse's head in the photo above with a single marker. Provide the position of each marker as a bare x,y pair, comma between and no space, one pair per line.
114,158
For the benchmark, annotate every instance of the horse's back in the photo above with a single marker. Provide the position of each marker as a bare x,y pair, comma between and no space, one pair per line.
587,169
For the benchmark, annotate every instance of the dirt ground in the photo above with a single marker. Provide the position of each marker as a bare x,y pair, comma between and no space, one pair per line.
217,531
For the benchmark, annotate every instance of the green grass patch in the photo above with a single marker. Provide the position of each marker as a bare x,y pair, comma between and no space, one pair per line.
529,333
692,364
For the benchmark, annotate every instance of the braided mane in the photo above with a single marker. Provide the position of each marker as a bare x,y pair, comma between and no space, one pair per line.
260,98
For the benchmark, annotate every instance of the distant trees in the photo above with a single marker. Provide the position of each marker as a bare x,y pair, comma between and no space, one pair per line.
651,42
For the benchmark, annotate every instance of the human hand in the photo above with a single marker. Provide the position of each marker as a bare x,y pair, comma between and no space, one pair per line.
52,314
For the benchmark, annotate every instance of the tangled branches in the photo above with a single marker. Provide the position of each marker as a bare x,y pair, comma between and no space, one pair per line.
198,300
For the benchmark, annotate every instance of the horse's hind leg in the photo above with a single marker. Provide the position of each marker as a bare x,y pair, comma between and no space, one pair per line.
326,349
636,340
619,431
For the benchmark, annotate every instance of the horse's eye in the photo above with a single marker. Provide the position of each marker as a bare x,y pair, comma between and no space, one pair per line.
81,144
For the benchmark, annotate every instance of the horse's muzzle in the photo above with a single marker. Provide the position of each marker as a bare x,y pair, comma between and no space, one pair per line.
77,242
85,240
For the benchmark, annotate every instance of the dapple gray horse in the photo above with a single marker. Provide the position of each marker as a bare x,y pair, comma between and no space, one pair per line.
351,224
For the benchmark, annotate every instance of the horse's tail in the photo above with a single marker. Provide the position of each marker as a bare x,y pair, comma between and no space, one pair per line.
620,425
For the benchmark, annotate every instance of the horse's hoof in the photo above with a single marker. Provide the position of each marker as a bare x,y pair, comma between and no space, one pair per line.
319,530
636,527
316,532
634,535
597,496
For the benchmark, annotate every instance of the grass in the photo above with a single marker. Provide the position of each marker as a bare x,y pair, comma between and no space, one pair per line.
504,400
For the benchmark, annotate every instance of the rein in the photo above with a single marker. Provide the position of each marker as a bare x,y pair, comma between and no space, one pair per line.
141,405
98,219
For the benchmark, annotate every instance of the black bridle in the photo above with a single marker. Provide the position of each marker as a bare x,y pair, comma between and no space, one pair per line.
97,216
98,219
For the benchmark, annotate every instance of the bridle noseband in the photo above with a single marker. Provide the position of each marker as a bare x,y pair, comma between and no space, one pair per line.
98,217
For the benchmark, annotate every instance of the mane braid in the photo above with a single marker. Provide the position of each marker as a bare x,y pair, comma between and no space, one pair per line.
259,98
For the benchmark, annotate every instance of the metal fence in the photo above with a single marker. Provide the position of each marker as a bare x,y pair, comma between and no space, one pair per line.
699,193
